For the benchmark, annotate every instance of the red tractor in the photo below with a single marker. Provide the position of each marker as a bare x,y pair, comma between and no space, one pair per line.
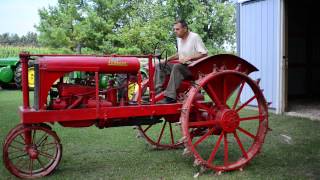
212,120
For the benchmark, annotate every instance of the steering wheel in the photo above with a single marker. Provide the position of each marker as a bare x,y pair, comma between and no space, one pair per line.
159,56
163,66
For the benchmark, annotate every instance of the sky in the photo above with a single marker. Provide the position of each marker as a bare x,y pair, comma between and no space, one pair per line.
20,16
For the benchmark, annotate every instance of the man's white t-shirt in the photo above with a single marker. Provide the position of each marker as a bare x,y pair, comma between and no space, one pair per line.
191,45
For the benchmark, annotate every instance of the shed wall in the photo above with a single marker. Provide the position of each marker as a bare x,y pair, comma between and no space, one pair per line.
260,44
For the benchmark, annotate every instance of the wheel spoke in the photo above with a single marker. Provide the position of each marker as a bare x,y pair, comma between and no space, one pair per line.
252,118
17,164
215,149
238,96
226,155
164,125
30,166
163,135
246,133
43,137
18,142
41,164
33,136
147,128
43,143
48,144
202,138
46,155
171,134
19,156
21,137
203,107
202,124
14,147
213,95
246,103
13,152
240,144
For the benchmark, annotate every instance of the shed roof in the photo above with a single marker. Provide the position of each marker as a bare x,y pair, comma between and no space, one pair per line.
243,1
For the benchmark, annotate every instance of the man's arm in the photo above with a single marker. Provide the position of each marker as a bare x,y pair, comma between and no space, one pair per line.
173,57
194,57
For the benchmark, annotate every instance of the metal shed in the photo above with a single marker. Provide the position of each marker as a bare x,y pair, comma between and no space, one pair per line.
281,40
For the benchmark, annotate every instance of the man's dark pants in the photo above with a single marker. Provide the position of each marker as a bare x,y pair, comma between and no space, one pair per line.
177,72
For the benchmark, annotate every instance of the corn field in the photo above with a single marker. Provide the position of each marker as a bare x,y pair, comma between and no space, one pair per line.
13,51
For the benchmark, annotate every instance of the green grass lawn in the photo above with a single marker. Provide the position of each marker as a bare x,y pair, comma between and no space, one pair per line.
116,153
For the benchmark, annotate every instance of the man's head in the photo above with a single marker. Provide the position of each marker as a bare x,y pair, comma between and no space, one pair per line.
181,28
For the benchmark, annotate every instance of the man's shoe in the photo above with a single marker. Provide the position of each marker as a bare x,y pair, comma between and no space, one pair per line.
167,100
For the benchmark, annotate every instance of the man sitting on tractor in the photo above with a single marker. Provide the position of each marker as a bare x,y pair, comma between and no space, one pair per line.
190,47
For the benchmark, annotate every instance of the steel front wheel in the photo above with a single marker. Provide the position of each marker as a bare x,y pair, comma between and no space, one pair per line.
13,130
32,152
231,134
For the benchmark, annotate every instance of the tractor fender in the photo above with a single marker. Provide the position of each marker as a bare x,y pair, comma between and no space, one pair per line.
221,61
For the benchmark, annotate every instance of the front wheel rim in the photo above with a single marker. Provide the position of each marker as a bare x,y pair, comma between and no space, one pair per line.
35,159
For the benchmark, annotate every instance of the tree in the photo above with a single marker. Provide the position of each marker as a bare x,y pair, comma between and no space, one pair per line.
14,39
149,27
214,21
4,38
103,21
131,27
59,26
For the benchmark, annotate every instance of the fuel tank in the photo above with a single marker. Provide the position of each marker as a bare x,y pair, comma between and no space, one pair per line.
89,63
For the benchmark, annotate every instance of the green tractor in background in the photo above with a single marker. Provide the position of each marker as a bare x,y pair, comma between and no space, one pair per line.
10,73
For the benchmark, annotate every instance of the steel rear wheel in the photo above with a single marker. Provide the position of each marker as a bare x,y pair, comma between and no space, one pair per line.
32,152
165,135
228,134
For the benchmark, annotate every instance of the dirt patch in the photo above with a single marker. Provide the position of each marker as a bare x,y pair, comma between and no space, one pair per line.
308,108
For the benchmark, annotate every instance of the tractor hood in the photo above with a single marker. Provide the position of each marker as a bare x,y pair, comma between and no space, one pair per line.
89,63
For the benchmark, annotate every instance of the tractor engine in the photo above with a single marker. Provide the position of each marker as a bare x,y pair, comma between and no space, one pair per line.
75,96
72,96
76,82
